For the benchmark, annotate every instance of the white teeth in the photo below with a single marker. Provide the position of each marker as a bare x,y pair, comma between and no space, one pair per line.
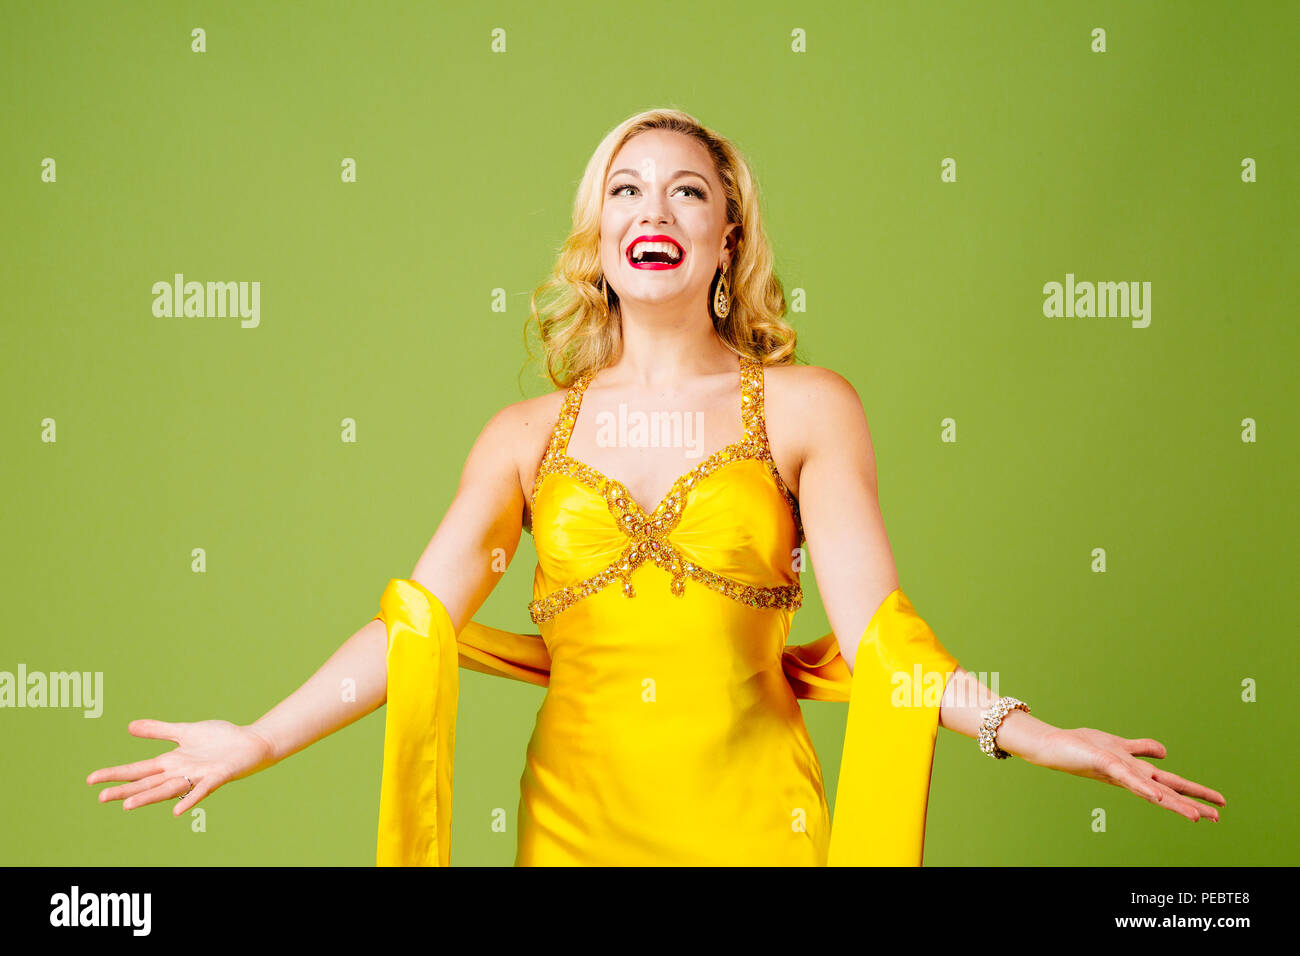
641,248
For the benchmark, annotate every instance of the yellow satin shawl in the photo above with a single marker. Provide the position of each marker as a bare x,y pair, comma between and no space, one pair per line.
893,694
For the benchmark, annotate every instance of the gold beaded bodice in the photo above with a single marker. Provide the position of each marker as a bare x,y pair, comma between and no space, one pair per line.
649,537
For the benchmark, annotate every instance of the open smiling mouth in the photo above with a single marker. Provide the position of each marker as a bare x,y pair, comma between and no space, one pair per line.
655,252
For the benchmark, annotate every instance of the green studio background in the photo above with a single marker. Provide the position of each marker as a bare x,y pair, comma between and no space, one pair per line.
1073,434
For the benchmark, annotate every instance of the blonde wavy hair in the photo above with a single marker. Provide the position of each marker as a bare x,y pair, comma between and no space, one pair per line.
581,329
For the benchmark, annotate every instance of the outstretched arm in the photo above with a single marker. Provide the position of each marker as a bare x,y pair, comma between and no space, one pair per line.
457,566
482,522
855,572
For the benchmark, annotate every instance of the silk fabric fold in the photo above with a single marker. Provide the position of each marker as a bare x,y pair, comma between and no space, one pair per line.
893,693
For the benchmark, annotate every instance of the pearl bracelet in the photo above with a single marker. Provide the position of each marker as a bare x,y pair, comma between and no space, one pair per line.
993,717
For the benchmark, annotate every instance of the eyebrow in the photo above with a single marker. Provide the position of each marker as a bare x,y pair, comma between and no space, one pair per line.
680,172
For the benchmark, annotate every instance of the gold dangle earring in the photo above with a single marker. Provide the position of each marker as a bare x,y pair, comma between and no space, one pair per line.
722,296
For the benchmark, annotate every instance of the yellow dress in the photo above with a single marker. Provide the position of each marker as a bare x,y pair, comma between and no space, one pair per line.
671,732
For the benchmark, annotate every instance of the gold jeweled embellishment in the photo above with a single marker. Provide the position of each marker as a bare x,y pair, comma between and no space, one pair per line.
647,533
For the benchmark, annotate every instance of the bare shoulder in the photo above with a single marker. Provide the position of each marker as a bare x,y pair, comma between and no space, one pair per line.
808,407
810,386
527,416
523,429
809,399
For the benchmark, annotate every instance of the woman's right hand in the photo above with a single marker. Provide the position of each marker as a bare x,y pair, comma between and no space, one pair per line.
459,566
209,752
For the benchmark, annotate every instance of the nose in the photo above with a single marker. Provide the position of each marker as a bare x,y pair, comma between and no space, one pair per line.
655,209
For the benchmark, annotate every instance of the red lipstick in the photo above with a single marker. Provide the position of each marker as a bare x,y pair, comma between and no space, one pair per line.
657,262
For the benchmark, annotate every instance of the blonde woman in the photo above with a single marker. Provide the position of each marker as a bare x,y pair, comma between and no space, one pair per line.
668,571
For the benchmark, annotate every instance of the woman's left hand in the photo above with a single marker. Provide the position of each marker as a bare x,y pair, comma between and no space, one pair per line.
1094,753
